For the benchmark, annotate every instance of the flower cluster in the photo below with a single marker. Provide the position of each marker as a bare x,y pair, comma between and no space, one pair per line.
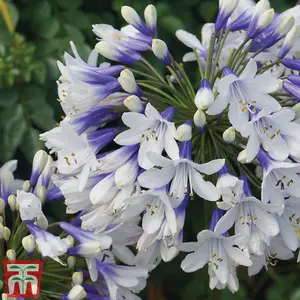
135,146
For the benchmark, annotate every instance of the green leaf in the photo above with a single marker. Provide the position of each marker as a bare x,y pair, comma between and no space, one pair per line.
31,143
72,18
5,37
38,11
172,23
13,12
38,110
17,279
75,35
49,28
69,4
45,47
12,135
29,278
8,97
207,10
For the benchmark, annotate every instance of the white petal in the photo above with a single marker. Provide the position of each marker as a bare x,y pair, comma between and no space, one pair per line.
188,39
219,104
152,112
157,178
227,221
158,159
252,147
288,233
170,145
204,189
211,167
136,120
250,70
196,260
236,254
128,137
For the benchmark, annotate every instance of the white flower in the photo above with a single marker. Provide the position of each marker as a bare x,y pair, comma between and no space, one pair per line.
152,130
245,94
30,206
183,174
49,244
270,130
218,251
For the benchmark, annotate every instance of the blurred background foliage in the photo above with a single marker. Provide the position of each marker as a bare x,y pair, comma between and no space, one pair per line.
34,34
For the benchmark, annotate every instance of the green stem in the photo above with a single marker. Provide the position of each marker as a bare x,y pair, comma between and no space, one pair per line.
263,69
210,55
153,70
199,64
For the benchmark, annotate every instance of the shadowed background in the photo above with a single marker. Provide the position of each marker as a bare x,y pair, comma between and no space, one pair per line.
33,35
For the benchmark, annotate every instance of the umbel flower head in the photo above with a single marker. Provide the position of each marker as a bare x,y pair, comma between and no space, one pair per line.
136,145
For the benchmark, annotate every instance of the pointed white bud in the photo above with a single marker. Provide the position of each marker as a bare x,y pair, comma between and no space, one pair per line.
161,51
77,278
265,19
200,119
130,15
26,186
262,6
285,25
28,243
38,165
89,249
77,293
4,296
1,231
2,206
184,132
205,96
41,193
296,109
11,254
229,135
127,82
133,103
242,157
71,261
12,202
42,222
150,14
6,233
289,41
71,241
228,6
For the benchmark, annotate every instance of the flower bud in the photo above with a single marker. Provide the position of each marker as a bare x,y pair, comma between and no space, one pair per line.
242,157
1,231
205,96
42,222
285,25
229,135
289,41
296,109
184,132
133,103
28,243
200,120
161,51
265,19
88,249
132,18
71,261
225,11
11,254
77,278
4,296
26,186
150,14
41,193
12,202
76,293
111,52
1,220
39,162
1,285
2,206
128,83
6,233
71,241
